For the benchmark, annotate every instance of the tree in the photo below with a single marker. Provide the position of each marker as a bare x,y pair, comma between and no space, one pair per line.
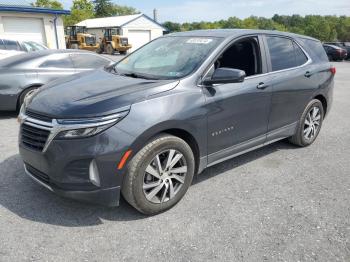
103,8
80,10
48,4
123,10
324,28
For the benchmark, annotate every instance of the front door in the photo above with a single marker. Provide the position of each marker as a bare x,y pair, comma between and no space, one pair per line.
238,112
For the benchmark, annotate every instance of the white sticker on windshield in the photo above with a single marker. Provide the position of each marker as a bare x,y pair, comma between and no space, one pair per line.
199,41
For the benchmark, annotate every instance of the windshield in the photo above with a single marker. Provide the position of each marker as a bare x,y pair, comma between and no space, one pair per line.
168,57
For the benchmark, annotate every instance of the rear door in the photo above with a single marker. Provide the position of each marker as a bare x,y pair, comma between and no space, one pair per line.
55,66
292,84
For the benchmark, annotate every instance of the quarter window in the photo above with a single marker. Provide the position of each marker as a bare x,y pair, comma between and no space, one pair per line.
300,57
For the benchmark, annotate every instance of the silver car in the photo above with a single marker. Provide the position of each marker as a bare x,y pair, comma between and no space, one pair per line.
22,73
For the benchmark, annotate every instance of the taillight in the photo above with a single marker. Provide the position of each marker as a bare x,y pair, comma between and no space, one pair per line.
333,70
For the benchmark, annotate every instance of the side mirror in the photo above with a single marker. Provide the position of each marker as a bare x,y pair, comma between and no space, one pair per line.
226,75
110,65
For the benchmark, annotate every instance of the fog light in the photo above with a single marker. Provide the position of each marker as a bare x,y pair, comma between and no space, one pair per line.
93,173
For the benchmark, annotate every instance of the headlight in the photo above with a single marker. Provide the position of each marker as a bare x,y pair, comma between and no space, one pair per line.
80,128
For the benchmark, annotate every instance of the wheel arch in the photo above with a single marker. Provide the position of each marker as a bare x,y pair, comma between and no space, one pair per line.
323,101
183,133
24,90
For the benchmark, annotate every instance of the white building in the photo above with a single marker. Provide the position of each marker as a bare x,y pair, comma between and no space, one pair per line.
140,29
41,25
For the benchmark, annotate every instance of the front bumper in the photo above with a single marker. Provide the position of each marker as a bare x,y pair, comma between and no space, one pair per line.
107,197
64,168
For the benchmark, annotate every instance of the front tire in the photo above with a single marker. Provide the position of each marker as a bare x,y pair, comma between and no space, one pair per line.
159,175
23,95
309,125
110,49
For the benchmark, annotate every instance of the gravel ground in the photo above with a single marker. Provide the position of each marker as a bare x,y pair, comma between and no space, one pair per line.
279,203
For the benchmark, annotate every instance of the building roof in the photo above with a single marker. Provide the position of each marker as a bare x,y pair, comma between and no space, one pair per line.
113,21
24,6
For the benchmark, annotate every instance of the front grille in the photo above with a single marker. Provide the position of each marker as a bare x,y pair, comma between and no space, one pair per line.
38,174
34,137
124,41
38,116
90,40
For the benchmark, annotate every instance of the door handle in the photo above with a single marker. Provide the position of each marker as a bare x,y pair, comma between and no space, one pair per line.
308,74
262,86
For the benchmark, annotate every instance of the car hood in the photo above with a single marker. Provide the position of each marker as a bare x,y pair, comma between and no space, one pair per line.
94,93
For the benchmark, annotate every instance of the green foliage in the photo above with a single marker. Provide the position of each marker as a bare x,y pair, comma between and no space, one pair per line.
103,8
123,10
48,4
81,10
325,28
86,9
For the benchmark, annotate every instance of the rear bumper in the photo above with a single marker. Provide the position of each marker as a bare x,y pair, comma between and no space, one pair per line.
106,197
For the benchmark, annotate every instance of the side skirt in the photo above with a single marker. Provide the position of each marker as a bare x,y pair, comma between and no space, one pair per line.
245,147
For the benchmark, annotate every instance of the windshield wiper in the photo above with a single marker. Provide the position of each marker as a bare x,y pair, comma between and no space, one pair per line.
134,75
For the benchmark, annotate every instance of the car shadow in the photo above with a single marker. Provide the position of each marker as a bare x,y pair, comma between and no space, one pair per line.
20,195
8,115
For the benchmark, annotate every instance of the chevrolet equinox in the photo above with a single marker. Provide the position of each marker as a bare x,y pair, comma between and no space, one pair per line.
143,127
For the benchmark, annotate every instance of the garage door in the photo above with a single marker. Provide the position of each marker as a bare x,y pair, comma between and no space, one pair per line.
20,28
138,38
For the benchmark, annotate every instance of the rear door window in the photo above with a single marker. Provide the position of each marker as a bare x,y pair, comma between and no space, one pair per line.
2,46
281,52
11,45
87,61
285,53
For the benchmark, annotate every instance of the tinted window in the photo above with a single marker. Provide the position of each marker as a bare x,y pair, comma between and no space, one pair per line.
281,52
57,61
314,49
88,61
2,46
11,45
300,57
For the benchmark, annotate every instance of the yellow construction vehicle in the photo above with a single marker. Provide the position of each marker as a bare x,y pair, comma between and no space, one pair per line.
112,42
78,38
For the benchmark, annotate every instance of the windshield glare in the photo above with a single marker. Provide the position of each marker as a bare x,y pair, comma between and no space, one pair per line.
168,57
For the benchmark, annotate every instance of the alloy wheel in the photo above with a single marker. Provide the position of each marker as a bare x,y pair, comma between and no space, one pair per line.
312,123
164,176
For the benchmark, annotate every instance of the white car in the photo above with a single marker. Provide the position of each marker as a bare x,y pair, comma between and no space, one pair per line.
11,47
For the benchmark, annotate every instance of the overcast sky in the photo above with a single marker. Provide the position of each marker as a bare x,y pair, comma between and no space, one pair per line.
210,10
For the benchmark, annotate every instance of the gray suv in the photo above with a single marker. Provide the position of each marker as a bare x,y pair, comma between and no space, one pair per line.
186,101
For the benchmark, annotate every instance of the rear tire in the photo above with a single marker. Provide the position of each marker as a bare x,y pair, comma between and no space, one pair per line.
309,124
152,188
